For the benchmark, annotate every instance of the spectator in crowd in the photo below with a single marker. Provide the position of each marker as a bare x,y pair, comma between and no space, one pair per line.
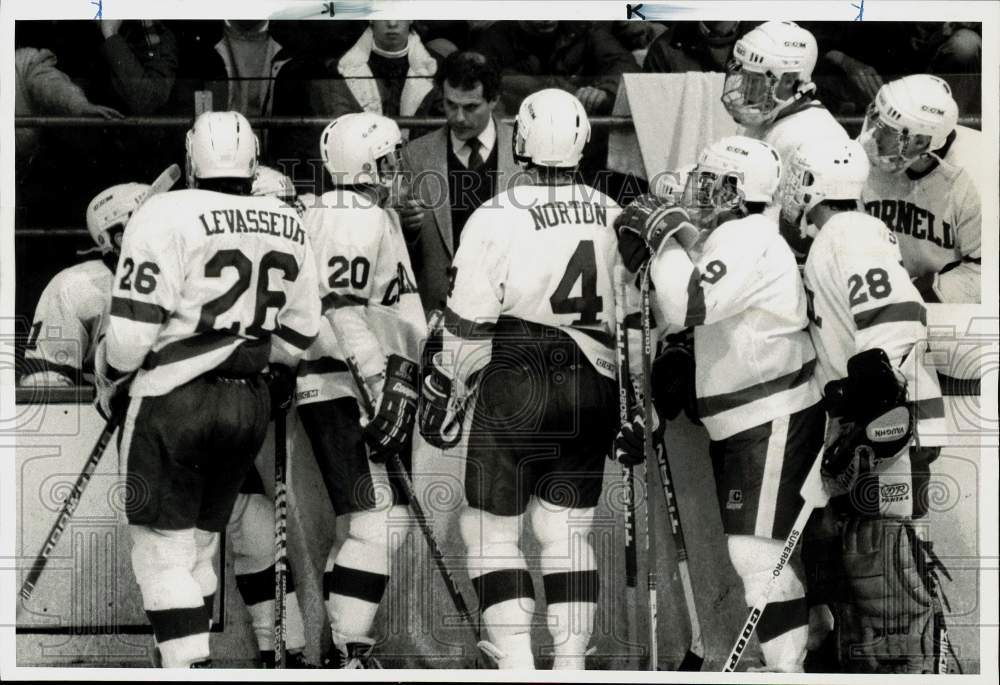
237,60
637,36
454,170
695,46
871,53
388,71
41,89
139,60
580,57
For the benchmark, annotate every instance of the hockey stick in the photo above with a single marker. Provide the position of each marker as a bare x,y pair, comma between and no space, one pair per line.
814,496
280,535
647,417
69,506
398,471
165,181
631,553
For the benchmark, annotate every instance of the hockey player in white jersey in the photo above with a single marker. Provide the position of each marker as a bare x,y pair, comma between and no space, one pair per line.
923,185
868,323
73,307
737,284
213,289
769,91
372,312
529,321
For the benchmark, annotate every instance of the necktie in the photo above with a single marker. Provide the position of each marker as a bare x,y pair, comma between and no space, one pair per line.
475,159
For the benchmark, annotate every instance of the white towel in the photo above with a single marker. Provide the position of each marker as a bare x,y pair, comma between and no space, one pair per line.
675,116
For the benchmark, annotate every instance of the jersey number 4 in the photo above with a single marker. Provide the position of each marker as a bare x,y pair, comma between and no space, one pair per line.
582,267
265,299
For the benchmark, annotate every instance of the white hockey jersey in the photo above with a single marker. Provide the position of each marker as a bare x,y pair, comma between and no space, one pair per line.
937,216
68,318
368,292
753,358
812,122
862,298
201,273
541,254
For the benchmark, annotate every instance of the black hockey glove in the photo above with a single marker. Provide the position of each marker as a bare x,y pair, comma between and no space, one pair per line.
111,385
280,381
435,398
645,224
876,421
389,429
672,378
630,442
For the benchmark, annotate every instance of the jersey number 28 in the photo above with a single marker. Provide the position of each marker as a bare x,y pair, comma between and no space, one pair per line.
588,304
265,299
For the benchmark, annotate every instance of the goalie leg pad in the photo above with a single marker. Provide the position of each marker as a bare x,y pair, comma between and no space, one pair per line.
783,629
888,625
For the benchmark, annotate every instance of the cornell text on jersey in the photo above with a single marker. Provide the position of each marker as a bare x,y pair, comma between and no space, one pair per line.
220,221
573,212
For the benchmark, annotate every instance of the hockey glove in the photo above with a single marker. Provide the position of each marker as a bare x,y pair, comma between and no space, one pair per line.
435,399
673,378
630,442
644,225
280,381
388,430
876,422
111,385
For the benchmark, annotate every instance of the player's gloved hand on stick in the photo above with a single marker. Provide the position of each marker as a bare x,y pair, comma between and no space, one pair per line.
111,385
388,430
630,443
280,381
435,398
645,224
673,378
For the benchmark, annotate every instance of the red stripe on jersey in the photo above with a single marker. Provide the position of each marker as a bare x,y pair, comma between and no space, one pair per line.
133,310
322,365
891,313
932,408
187,348
716,404
293,337
338,300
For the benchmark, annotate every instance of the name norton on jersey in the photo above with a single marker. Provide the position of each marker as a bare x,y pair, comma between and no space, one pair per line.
253,221
912,220
554,213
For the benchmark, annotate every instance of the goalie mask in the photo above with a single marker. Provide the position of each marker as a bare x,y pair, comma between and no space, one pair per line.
908,119
771,68
109,212
821,170
362,149
730,173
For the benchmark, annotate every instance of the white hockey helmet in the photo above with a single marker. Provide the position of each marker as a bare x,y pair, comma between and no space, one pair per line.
730,173
819,170
908,118
109,212
361,148
760,60
270,182
221,145
551,129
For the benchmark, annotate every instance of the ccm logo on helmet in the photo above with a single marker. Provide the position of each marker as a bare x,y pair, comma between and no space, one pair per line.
932,110
737,150
794,44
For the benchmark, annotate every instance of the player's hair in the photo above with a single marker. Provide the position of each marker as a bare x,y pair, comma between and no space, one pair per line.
841,205
465,68
554,175
754,207
230,186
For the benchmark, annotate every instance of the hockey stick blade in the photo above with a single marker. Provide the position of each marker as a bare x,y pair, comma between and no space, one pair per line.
165,181
69,506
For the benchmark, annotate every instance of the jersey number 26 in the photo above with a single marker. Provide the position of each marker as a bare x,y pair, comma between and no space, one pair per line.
265,298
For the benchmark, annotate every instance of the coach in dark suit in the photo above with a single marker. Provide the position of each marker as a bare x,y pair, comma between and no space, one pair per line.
454,169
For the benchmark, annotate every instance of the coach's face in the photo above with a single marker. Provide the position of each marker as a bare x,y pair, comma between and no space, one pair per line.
468,112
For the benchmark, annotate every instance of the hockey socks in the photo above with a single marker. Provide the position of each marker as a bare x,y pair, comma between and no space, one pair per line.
257,591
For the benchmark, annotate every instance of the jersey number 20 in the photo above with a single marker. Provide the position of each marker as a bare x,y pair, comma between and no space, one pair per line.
582,267
266,299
